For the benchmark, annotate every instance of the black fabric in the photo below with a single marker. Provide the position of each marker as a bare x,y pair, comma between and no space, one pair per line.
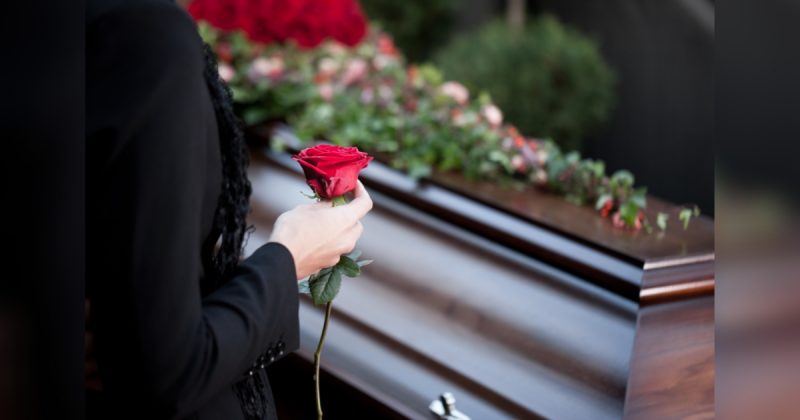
164,348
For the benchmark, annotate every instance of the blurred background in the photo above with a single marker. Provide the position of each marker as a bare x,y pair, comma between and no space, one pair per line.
638,88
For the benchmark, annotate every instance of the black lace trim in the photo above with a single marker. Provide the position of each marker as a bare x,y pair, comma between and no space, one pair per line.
253,389
252,393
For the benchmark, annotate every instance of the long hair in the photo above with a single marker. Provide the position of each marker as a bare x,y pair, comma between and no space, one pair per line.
233,205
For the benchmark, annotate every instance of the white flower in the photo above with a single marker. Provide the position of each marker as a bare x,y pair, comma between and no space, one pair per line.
492,115
385,93
328,65
226,72
456,91
518,163
262,68
382,61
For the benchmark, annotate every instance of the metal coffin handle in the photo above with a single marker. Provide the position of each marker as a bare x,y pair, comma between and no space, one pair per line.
445,408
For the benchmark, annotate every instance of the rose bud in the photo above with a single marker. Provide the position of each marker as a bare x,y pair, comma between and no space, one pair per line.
332,171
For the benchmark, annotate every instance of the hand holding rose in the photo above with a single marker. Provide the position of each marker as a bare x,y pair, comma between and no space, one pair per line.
318,234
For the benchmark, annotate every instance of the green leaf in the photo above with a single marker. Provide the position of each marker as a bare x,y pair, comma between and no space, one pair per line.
325,285
354,255
303,287
348,267
362,263
685,216
602,200
640,197
628,212
253,116
661,220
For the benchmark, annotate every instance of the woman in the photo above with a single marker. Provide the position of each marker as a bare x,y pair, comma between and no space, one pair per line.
181,328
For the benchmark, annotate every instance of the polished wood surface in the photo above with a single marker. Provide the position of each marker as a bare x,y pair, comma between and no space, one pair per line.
672,363
574,238
519,319
583,222
444,309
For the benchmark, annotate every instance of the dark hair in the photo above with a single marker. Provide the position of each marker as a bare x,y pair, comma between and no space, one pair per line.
230,219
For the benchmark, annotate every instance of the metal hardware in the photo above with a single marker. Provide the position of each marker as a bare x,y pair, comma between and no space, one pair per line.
445,408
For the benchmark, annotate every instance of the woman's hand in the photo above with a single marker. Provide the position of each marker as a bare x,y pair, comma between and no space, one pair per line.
318,234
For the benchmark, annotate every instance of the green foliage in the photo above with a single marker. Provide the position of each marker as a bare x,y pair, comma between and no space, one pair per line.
418,27
413,119
550,81
324,285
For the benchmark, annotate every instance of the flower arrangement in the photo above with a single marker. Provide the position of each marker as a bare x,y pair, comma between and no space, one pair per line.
365,95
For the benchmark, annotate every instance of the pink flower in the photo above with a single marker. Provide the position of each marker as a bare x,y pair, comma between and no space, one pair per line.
492,115
518,163
386,45
355,71
456,91
367,95
617,221
226,72
326,91
262,68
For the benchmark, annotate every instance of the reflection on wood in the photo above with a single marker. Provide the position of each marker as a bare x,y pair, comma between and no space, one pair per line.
443,309
549,228
672,365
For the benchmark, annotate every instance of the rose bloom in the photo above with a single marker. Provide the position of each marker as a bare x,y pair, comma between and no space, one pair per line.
386,45
262,68
492,115
226,72
456,91
332,171
326,91
518,163
224,52
617,221
355,71
328,66
539,176
606,209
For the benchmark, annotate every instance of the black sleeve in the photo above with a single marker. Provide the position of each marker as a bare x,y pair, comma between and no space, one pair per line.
162,348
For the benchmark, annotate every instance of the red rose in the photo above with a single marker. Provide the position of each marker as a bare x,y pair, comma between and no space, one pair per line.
269,20
222,14
309,28
347,23
332,171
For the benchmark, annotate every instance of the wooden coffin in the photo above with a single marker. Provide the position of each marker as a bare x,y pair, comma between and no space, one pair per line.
521,306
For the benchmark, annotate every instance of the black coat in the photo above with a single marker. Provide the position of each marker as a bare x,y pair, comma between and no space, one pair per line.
165,349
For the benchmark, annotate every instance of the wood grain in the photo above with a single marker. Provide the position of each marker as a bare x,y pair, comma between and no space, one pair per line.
672,363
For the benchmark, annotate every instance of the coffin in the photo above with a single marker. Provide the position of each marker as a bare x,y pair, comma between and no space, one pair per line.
519,305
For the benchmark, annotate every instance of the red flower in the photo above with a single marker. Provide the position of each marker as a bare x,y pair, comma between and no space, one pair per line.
224,52
223,14
308,29
270,20
332,171
386,45
606,209
346,22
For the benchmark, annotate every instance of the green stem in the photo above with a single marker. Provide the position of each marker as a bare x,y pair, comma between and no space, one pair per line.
318,353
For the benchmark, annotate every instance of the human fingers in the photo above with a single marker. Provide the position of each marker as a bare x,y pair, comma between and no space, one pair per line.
361,204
